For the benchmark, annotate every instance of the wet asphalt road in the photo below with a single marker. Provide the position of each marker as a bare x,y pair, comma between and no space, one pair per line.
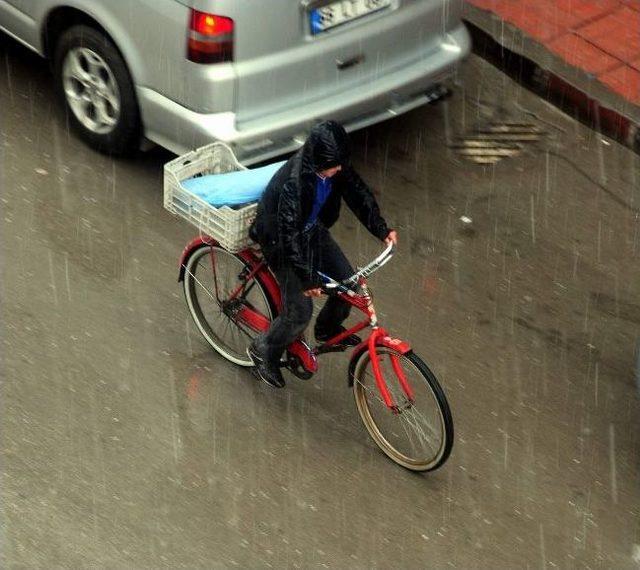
127,443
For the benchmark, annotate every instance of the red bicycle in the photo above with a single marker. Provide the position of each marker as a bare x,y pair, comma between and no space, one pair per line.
233,297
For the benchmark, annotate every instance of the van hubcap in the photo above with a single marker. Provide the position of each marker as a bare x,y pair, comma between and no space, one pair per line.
91,90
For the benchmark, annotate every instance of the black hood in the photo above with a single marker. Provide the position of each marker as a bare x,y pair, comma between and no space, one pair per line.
327,146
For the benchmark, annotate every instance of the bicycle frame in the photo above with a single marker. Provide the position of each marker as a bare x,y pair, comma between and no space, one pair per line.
307,356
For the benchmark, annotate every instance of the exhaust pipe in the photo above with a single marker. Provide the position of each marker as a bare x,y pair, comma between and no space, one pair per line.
437,93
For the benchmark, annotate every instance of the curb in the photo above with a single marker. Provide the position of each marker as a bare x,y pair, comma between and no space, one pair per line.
571,89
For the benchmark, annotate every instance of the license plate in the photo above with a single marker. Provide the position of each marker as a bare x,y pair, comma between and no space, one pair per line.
343,11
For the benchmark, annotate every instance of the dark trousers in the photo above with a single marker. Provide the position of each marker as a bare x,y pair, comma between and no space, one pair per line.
326,256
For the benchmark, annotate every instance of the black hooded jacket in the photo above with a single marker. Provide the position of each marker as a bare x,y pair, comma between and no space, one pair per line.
287,202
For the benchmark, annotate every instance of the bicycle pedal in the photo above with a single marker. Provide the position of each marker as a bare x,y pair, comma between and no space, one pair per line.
294,366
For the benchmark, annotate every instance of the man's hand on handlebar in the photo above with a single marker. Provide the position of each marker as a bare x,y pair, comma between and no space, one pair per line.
315,292
392,237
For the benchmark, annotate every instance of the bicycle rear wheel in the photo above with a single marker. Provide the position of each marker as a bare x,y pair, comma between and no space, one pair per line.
419,435
212,274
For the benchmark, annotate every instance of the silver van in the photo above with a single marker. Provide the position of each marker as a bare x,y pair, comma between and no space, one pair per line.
253,73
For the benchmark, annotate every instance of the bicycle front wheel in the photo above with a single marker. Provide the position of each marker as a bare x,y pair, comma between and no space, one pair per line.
212,276
417,435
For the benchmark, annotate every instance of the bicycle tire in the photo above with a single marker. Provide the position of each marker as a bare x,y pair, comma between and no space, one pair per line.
198,312
360,389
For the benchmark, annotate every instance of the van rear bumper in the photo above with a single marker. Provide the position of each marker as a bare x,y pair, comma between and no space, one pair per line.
180,129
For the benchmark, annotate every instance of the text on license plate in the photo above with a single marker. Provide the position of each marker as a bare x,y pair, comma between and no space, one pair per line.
343,11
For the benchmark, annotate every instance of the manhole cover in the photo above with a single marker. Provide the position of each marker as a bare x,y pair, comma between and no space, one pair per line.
493,142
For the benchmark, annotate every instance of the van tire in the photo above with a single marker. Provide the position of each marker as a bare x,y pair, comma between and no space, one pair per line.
102,67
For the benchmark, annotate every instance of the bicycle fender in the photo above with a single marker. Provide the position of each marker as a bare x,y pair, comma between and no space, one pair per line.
383,340
194,244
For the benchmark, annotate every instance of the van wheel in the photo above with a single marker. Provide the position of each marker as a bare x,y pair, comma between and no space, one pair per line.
94,84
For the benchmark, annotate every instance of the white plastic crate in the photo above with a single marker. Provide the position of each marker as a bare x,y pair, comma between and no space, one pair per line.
227,225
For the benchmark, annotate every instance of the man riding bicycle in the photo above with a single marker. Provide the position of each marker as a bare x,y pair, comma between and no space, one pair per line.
301,202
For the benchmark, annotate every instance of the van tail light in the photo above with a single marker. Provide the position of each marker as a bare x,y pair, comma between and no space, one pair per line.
210,38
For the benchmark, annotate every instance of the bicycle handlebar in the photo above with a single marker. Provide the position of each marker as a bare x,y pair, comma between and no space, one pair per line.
363,272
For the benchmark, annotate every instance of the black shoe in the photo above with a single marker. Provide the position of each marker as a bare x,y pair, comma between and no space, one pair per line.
268,373
351,340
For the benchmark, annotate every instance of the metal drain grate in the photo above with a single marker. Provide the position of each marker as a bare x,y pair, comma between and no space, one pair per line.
495,141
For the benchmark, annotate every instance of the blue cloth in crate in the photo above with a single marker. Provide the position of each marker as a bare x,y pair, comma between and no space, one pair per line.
233,188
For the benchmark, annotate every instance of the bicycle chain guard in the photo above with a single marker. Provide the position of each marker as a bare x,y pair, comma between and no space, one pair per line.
305,363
